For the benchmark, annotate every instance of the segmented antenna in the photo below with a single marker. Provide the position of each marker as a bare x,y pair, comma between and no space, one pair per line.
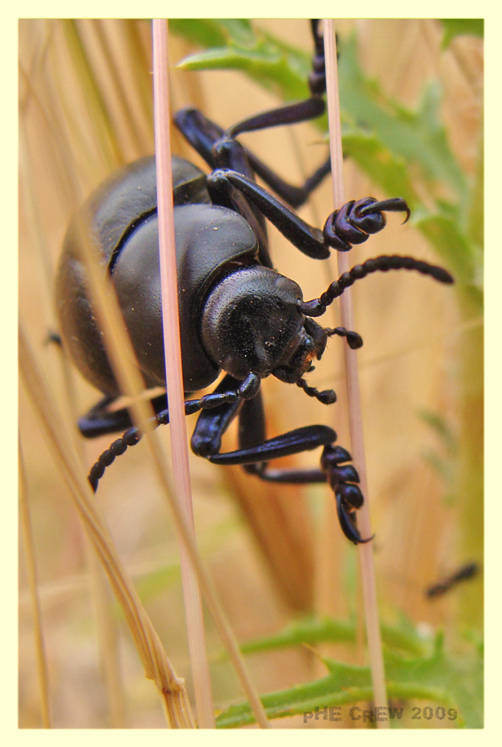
384,263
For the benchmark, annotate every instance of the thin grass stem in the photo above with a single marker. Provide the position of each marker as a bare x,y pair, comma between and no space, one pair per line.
184,526
174,372
121,355
108,641
155,661
353,392
31,567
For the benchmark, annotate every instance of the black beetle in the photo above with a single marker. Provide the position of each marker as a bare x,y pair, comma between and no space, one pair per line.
237,314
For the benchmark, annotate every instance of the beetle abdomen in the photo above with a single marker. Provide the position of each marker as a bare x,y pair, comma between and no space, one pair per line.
120,218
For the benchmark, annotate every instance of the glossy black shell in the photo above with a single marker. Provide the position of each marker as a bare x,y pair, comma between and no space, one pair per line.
120,219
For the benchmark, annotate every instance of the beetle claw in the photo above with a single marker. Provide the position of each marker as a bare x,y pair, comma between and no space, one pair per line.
392,205
347,521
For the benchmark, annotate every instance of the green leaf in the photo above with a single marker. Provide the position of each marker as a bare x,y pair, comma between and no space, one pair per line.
418,137
452,246
308,631
204,32
262,65
391,174
453,27
452,683
239,46
313,631
210,32
239,30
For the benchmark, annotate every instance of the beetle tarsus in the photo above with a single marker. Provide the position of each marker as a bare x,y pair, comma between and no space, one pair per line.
355,221
343,479
317,78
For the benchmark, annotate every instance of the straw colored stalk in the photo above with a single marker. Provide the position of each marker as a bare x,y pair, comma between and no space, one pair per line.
157,666
121,355
29,551
174,372
353,392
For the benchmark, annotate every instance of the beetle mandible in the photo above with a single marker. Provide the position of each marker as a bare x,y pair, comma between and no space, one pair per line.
237,314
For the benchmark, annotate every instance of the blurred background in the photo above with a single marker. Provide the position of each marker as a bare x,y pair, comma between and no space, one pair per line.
276,553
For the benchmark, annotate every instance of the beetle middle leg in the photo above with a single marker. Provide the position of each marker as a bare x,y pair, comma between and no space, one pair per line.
206,137
234,167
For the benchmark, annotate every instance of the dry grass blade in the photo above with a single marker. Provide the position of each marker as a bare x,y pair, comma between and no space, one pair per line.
107,632
354,398
121,355
157,666
174,375
86,108
29,550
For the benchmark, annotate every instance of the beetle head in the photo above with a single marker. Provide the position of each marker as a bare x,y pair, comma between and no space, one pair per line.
251,323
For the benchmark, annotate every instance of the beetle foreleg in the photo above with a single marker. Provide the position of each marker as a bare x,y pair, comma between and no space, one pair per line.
255,452
252,438
306,238
293,442
203,134
343,480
